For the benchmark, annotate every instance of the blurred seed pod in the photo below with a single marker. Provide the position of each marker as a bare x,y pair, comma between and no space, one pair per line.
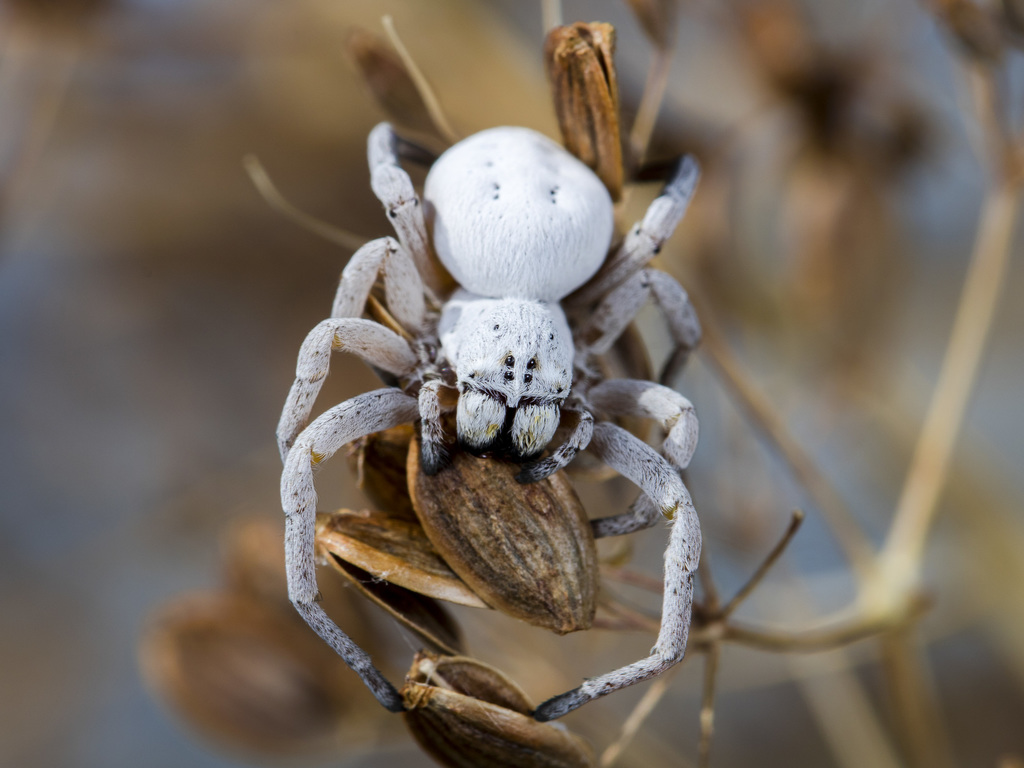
526,550
580,65
57,12
659,20
975,28
378,461
466,714
243,676
390,83
241,666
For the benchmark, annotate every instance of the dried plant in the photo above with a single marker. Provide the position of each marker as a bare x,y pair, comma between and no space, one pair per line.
474,537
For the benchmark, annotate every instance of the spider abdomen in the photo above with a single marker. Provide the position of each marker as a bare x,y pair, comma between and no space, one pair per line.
515,215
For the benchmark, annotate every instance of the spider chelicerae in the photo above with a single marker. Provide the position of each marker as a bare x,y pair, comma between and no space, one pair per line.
526,230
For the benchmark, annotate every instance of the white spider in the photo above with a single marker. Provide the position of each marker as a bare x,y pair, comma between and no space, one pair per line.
522,225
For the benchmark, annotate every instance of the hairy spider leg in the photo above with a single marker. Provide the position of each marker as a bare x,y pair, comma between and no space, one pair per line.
662,485
644,241
393,187
403,287
673,412
371,341
355,418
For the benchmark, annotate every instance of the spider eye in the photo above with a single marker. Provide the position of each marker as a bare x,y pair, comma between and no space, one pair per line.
527,378
509,375
531,364
510,361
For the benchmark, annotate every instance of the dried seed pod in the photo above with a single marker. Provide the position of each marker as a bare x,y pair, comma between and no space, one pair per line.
393,549
423,615
389,82
581,68
975,28
467,714
527,550
243,676
379,461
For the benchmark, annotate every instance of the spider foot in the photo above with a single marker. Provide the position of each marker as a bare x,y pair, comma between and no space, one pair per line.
560,705
434,457
535,471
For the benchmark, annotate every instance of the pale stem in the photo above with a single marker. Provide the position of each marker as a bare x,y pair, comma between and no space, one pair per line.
270,194
651,698
550,14
707,707
794,525
986,274
914,701
766,421
650,104
420,81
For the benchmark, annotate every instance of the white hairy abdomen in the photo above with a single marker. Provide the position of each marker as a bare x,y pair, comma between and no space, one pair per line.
515,215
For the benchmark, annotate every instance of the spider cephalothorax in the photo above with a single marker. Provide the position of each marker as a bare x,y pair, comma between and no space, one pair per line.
525,230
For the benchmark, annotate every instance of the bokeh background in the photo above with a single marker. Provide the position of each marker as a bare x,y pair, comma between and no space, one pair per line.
152,304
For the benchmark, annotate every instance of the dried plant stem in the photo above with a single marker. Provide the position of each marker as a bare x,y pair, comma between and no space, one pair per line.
550,14
261,180
650,104
420,80
844,712
919,721
651,698
707,707
794,525
925,479
767,423
25,58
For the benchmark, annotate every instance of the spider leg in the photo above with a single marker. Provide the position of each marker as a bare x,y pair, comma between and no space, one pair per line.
393,187
644,240
616,311
533,471
403,287
355,418
434,454
662,485
371,341
675,414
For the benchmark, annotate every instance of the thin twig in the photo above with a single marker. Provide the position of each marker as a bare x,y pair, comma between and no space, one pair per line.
270,194
420,81
636,718
766,422
925,479
707,707
794,525
650,104
712,601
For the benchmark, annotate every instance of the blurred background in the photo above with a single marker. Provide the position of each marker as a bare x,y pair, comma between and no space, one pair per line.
152,305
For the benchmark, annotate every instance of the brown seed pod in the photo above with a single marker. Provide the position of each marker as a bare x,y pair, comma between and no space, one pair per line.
395,549
379,463
581,69
419,613
242,675
526,550
389,82
467,714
